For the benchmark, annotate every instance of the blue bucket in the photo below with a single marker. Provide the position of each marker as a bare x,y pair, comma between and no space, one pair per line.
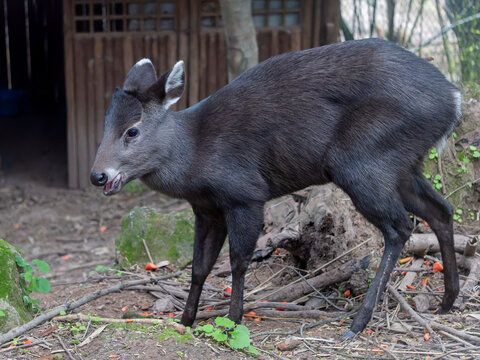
12,102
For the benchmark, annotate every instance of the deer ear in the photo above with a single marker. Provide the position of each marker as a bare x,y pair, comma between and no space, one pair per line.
141,76
169,87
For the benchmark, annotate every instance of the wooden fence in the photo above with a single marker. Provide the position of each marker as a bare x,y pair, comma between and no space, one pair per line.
97,61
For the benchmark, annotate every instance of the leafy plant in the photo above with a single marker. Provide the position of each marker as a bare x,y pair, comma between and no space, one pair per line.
34,283
437,182
226,331
433,155
458,215
2,313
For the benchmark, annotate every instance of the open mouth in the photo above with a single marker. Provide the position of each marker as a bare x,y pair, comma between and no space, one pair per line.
114,186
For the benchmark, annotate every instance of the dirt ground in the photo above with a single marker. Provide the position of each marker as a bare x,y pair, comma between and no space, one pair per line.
74,231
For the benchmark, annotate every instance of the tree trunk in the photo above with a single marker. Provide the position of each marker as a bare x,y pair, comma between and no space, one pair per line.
242,52
468,36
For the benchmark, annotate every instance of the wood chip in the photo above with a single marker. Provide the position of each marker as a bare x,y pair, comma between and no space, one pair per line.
93,335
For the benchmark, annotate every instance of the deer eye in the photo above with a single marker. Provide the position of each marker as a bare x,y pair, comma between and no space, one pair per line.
131,133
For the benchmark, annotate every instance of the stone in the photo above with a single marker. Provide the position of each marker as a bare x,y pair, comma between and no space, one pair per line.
12,290
168,237
164,305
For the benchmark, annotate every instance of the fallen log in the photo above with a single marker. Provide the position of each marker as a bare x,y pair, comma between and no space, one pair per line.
330,277
420,244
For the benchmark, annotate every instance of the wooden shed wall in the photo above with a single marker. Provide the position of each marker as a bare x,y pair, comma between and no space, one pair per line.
97,62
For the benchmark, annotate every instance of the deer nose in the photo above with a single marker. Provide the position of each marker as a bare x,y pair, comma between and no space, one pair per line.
98,179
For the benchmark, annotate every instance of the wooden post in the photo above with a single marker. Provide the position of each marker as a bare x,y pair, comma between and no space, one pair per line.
70,94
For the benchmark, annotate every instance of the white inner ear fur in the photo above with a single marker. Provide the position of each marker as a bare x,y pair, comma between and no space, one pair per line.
174,80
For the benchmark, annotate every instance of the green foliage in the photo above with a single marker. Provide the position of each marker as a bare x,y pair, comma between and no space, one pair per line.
34,283
457,216
433,155
2,313
437,182
227,332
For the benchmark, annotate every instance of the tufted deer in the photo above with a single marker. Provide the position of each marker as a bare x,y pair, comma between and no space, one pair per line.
361,114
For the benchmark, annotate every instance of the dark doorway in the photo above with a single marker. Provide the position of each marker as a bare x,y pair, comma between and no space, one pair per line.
32,97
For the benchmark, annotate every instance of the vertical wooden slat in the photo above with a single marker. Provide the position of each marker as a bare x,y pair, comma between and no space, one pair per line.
212,64
203,65
284,41
154,54
306,23
118,62
138,50
222,78
81,113
91,125
162,45
171,49
193,92
128,60
182,34
275,47
68,44
296,40
264,40
147,45
109,72
99,89
317,23
331,20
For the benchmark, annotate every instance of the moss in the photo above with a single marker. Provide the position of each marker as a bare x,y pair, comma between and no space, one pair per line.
168,237
169,333
12,289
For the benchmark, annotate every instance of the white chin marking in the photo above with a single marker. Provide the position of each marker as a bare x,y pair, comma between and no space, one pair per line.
111,173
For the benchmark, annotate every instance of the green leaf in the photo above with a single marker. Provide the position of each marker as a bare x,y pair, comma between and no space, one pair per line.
476,154
431,156
63,313
459,211
454,134
438,186
427,176
41,265
438,177
224,322
207,329
466,160
219,336
240,337
43,285
252,350
28,268
2,313
33,284
20,261
473,148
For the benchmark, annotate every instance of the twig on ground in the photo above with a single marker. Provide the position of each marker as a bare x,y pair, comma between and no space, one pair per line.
64,347
430,324
93,335
307,326
464,185
83,317
148,251
75,304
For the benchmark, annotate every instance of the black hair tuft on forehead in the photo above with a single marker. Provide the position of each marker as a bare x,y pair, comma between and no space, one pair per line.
125,110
